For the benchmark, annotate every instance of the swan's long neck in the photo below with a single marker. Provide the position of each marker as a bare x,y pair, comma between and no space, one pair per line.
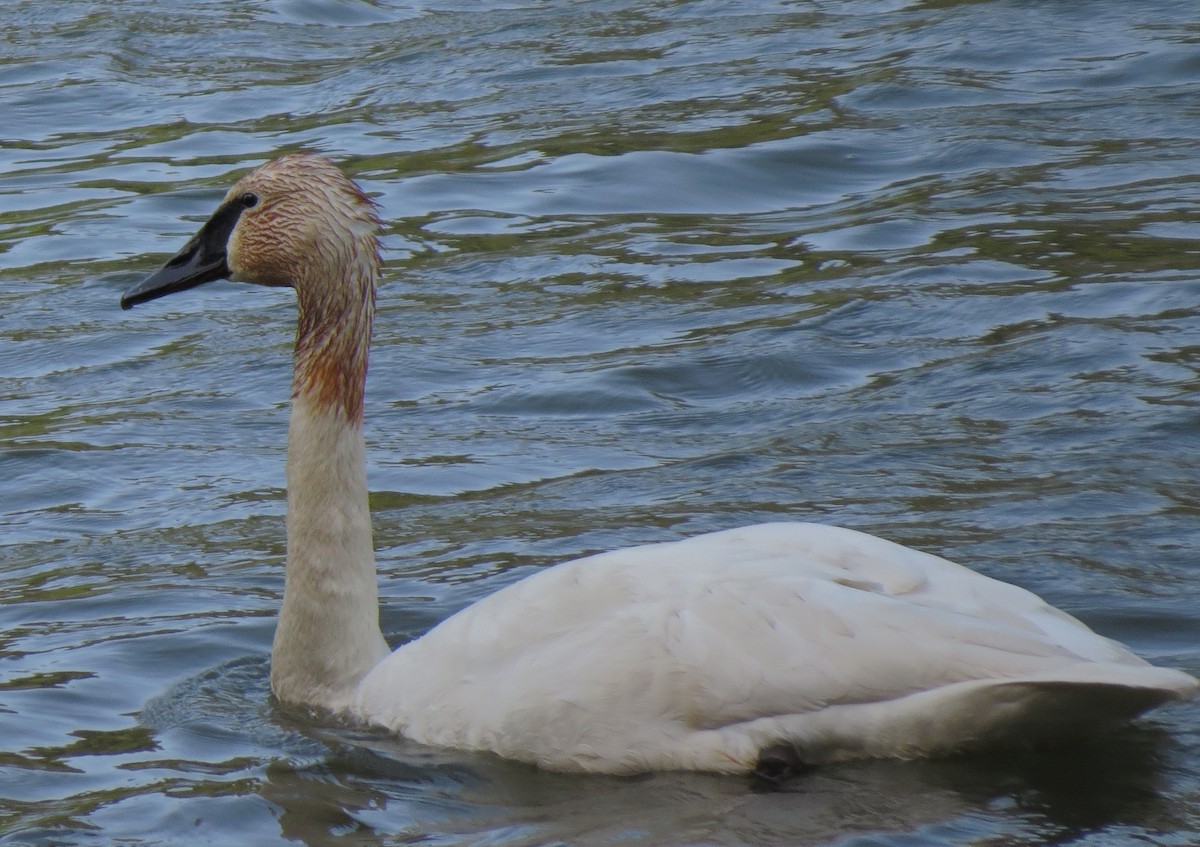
328,634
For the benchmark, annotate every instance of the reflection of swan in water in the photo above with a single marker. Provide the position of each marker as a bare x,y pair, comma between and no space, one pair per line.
757,648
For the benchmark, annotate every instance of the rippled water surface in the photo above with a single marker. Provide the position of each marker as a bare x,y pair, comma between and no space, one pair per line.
929,269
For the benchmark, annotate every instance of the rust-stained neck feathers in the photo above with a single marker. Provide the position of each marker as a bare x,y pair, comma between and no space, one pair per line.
313,229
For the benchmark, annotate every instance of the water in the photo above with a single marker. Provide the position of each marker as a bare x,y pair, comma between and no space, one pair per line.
927,269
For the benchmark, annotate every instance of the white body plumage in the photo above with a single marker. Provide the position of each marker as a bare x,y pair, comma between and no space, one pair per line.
699,654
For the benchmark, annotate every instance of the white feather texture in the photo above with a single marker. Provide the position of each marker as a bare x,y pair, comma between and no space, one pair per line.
697,654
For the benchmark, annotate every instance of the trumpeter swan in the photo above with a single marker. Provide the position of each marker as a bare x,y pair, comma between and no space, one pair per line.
758,648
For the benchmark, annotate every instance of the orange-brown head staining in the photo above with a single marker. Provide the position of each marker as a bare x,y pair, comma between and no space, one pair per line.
308,226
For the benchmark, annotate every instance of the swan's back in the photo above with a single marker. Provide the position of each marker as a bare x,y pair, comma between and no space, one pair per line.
701,653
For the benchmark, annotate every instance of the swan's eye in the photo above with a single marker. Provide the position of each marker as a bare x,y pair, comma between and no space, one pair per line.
249,199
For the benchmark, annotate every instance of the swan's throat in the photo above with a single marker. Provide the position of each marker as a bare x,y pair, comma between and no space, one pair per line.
333,338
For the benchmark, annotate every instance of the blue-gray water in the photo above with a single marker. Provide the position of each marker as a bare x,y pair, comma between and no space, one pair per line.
929,269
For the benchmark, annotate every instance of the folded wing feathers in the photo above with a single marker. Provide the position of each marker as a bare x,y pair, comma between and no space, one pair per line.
803,631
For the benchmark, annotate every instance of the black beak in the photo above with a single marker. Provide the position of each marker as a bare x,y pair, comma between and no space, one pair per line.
201,260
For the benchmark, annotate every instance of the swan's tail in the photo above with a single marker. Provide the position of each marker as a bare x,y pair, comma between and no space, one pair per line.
1072,704
1041,712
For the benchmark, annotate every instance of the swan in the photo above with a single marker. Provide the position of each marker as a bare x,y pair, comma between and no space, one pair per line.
764,650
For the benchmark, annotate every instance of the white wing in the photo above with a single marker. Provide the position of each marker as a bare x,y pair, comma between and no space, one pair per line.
700,653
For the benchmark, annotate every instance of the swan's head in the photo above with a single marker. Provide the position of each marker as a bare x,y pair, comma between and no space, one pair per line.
296,221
